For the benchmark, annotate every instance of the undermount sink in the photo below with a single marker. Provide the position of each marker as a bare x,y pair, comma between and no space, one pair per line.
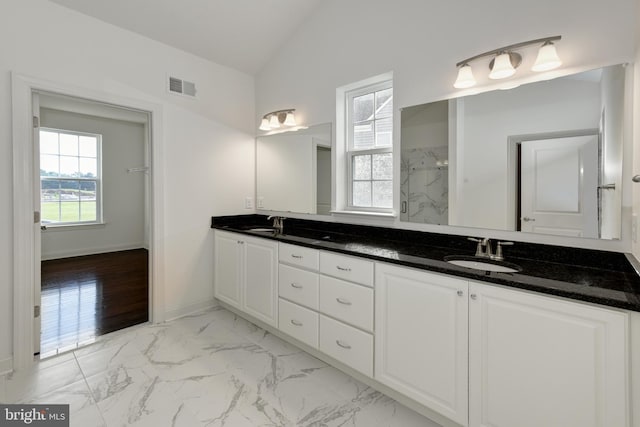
477,263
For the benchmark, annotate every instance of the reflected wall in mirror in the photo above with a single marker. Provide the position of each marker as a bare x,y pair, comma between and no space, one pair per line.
545,157
293,171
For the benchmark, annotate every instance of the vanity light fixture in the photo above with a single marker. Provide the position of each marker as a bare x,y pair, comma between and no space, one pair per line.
278,119
505,61
547,58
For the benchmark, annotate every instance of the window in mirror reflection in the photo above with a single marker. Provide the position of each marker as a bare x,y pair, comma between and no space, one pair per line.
370,141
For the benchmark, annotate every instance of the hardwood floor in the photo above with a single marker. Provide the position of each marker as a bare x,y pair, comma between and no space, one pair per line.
87,296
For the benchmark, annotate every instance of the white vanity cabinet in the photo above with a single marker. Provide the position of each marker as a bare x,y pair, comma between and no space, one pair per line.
228,261
246,274
324,312
530,360
421,337
480,355
540,361
299,293
346,310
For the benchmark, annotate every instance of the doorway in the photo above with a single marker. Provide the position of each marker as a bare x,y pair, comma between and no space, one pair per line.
93,163
26,231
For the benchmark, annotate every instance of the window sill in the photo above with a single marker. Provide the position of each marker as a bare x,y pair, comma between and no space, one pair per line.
389,215
69,227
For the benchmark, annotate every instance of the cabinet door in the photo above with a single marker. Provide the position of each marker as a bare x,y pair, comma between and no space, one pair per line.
421,337
260,291
538,361
227,264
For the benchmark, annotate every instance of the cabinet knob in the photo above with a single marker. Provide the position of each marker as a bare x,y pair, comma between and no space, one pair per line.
296,323
296,256
473,296
460,293
343,268
343,345
343,301
295,285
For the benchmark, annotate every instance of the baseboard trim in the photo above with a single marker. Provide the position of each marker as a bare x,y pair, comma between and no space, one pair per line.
91,251
190,309
6,365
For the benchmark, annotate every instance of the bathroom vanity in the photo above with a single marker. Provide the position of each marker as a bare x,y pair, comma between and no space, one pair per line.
549,345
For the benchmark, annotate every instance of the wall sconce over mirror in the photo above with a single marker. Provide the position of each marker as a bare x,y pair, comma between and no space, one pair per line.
279,120
505,61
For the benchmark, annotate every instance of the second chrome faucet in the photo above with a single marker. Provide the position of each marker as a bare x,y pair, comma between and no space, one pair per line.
278,223
484,250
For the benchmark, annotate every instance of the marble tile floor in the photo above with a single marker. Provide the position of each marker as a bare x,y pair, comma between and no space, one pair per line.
209,369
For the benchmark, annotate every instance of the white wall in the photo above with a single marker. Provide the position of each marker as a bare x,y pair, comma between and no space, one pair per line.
425,126
421,42
489,120
286,172
123,194
208,141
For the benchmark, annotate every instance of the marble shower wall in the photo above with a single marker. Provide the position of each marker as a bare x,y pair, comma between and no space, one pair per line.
424,188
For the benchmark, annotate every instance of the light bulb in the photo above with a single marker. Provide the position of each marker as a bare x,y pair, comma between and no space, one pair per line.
274,123
291,119
465,78
547,58
264,125
502,67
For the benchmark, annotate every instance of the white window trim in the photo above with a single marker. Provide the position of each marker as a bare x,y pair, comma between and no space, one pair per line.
343,186
98,180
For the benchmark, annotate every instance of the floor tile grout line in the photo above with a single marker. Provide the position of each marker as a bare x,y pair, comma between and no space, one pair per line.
91,394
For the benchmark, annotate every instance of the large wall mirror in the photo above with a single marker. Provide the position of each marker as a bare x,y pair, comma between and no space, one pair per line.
293,171
544,157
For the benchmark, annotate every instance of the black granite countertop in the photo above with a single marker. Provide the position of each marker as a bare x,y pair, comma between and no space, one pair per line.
600,277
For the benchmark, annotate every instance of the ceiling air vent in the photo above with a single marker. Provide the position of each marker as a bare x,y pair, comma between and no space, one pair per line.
182,87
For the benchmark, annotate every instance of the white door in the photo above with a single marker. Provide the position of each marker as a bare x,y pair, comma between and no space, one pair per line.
227,264
536,361
421,338
37,237
559,188
260,284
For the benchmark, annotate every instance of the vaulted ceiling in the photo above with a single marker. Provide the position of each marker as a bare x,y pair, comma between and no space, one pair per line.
242,34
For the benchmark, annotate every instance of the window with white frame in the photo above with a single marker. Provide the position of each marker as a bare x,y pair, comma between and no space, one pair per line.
70,177
369,147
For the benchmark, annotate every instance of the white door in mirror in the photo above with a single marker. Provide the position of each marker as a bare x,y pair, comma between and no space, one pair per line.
559,186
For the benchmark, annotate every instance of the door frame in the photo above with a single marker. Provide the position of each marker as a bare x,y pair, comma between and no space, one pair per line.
26,260
513,165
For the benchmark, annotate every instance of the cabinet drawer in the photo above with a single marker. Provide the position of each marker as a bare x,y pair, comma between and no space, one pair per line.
346,301
346,267
299,256
346,344
299,322
299,286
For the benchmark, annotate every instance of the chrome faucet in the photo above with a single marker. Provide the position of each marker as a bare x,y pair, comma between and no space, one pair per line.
483,249
278,223
480,248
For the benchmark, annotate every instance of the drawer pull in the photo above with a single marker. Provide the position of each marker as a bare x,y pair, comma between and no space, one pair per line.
343,268
343,301
296,323
343,345
295,285
296,256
